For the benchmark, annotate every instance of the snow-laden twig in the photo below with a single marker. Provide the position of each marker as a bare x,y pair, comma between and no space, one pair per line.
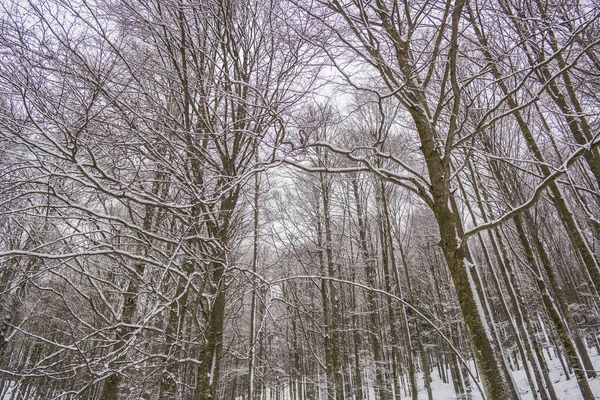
549,180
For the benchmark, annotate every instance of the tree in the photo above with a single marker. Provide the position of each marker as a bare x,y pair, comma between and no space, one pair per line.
155,243
143,122
384,35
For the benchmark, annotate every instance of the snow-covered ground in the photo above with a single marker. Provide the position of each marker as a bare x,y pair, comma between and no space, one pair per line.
565,389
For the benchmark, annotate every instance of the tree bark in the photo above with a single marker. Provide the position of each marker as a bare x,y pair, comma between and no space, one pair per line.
372,307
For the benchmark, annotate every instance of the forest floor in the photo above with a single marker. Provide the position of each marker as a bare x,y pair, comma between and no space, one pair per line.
565,389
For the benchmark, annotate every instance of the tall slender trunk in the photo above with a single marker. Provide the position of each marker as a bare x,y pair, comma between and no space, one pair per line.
577,240
208,372
424,357
354,386
562,301
521,322
503,303
334,295
372,307
514,194
388,285
252,339
554,313
387,233
335,389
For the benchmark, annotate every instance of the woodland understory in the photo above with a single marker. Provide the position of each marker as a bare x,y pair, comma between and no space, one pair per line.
298,199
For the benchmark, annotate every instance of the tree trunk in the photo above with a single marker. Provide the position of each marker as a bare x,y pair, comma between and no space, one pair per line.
388,285
523,327
554,313
252,338
577,240
372,307
387,240
411,300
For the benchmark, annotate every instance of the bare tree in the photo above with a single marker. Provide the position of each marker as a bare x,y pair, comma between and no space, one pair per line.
139,125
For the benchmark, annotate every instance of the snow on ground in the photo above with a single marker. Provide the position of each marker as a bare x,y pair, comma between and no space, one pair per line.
565,389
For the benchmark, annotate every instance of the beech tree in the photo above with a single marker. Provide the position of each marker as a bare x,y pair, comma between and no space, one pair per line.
423,68
137,126
297,199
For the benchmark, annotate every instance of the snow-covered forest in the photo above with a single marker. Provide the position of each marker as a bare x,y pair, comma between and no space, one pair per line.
299,199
